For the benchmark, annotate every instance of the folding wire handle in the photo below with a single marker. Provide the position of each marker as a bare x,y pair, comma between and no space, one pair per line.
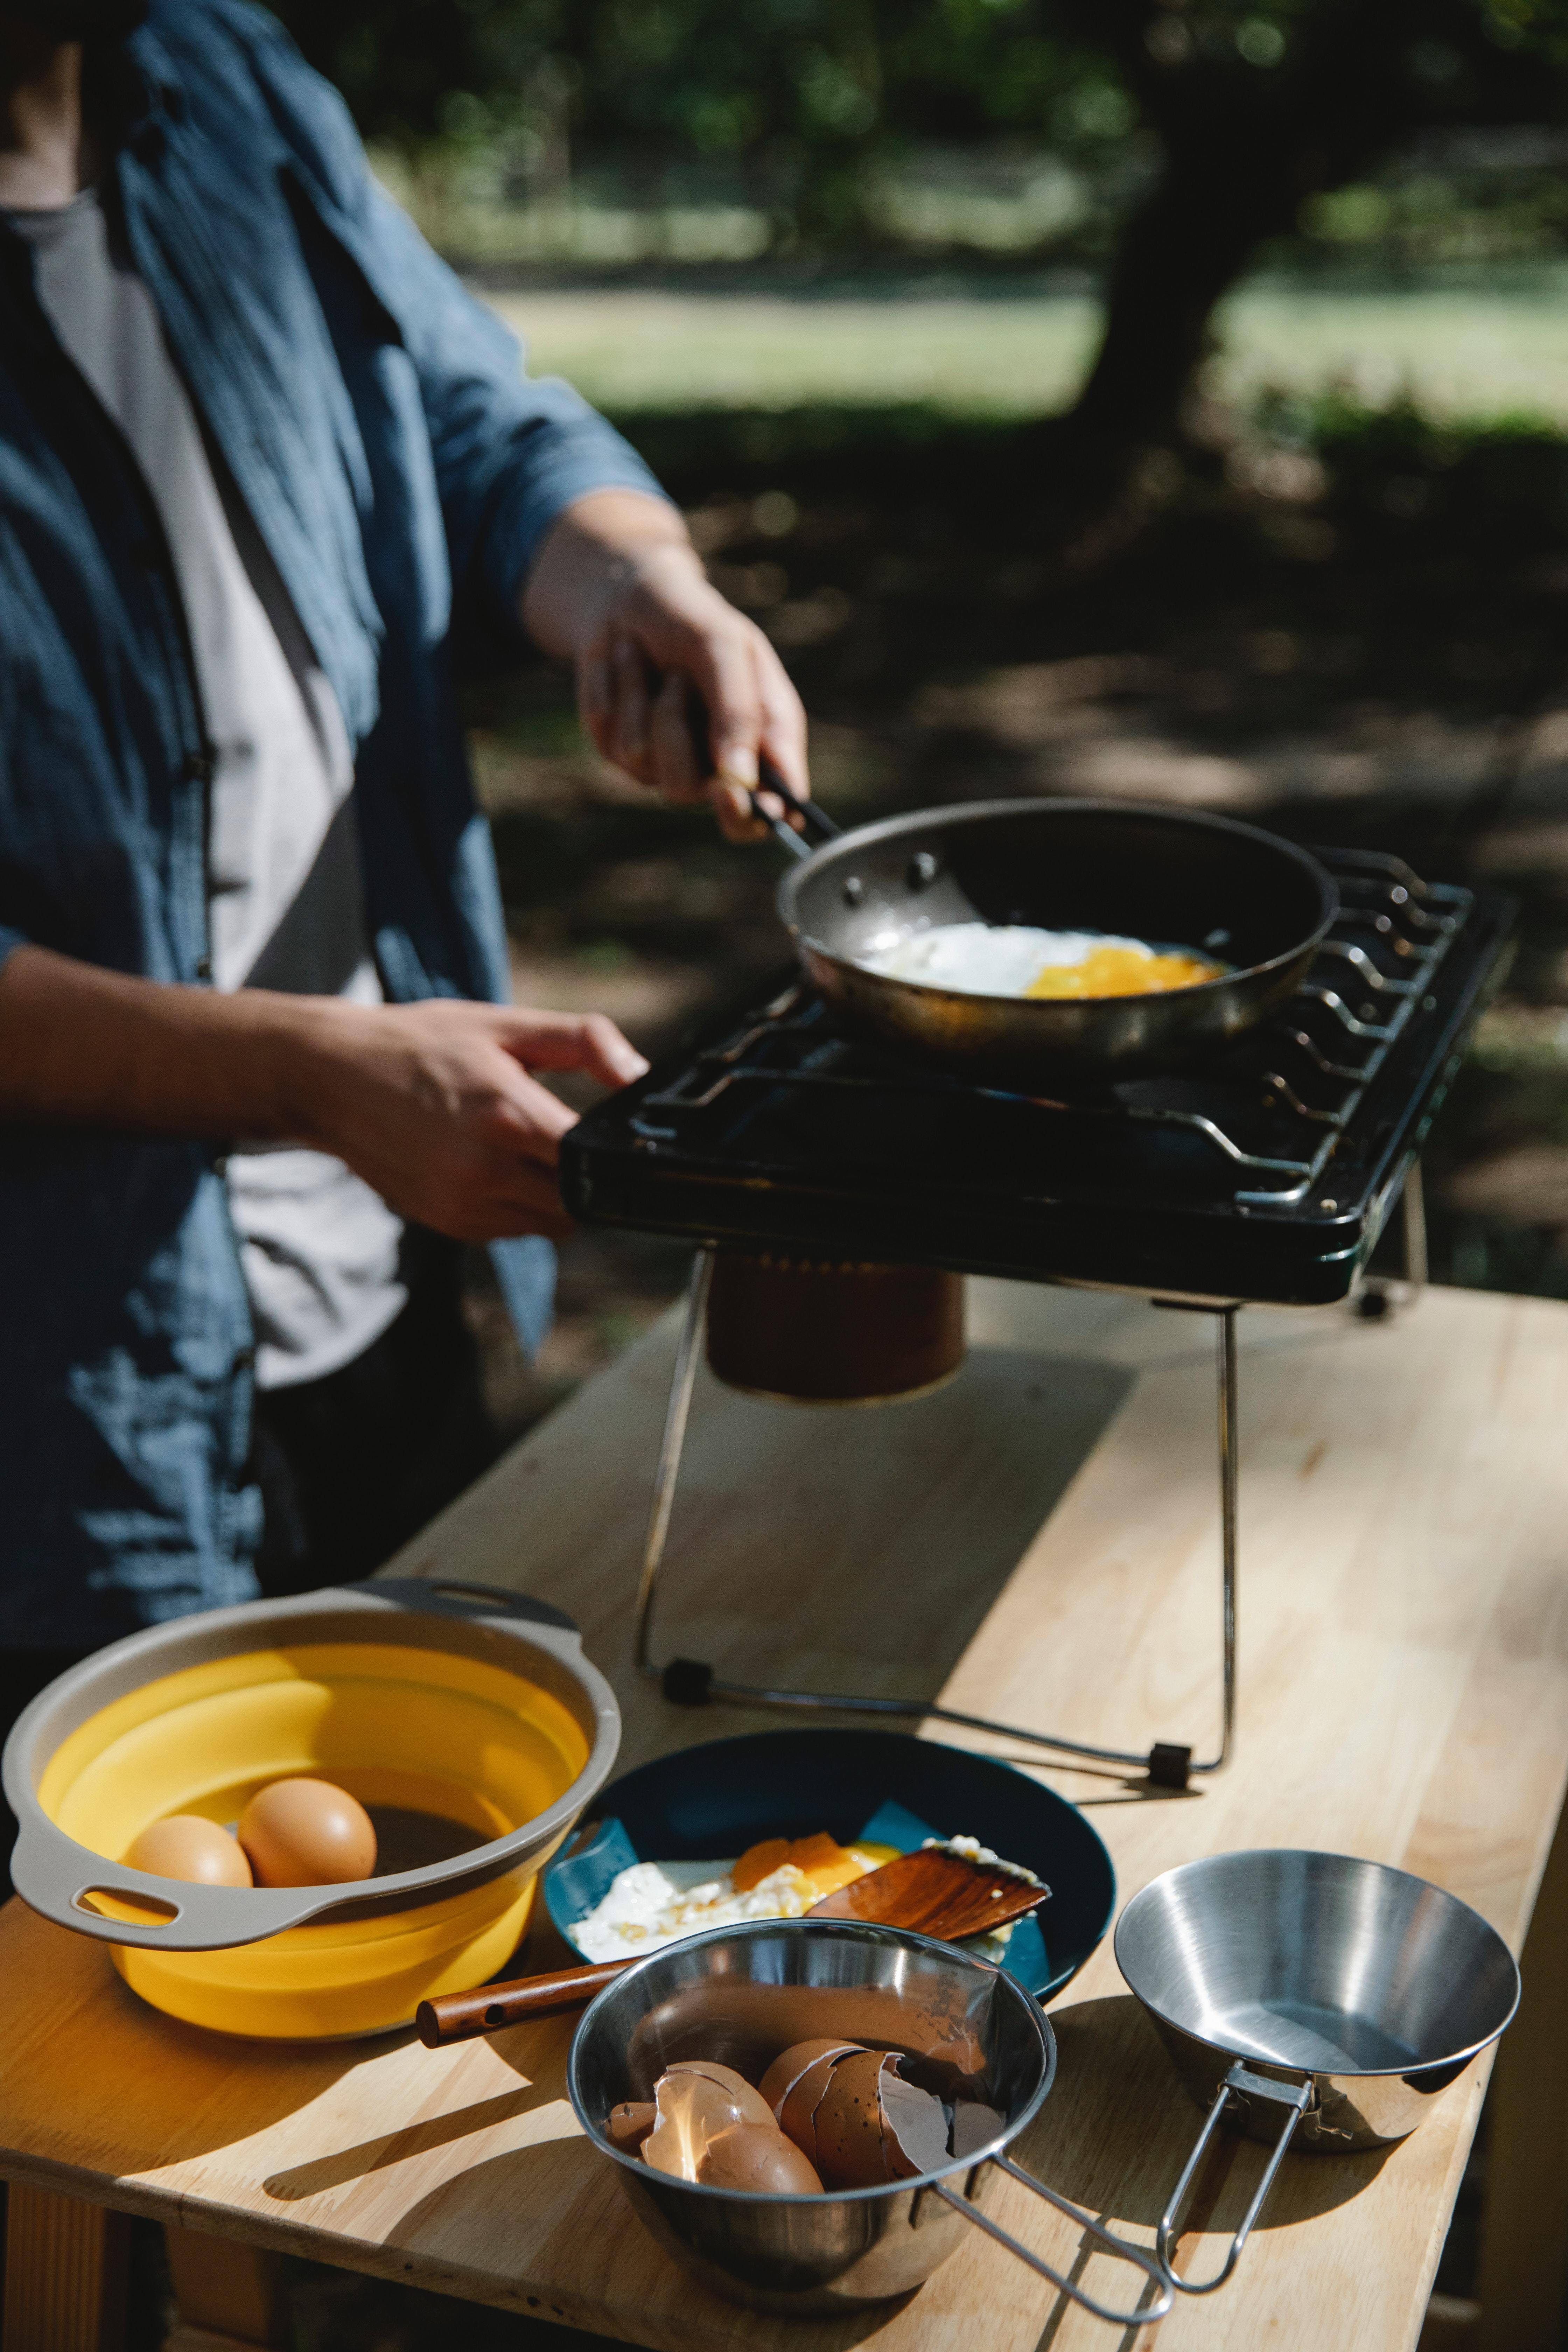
1145,2260
1296,2098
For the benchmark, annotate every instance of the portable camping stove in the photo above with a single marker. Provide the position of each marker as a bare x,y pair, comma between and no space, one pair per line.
1267,1177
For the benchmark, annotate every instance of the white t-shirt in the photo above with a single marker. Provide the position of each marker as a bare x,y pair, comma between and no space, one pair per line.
320,1248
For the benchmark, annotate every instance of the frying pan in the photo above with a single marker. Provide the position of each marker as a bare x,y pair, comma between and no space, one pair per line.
1255,903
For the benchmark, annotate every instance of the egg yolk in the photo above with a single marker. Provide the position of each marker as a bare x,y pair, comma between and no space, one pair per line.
822,1861
1121,972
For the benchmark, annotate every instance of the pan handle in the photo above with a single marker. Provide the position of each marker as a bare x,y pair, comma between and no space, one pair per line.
1145,2260
815,820
1297,2099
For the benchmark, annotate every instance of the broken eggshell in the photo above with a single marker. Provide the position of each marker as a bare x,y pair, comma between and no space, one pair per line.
629,2124
694,2101
851,2150
758,2160
750,2107
791,2065
915,2126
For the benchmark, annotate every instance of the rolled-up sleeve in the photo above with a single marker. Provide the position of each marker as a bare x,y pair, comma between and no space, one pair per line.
511,451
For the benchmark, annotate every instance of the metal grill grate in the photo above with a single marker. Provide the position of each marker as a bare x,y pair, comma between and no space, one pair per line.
1319,1054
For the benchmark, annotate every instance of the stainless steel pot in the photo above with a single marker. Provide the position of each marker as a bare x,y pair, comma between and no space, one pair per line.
740,1995
1310,2000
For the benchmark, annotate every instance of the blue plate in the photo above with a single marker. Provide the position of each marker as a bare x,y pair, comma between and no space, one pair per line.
709,1803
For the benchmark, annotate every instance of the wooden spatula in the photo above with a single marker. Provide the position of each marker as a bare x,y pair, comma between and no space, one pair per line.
933,1892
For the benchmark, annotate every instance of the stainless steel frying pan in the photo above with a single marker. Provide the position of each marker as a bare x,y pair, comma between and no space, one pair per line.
1255,903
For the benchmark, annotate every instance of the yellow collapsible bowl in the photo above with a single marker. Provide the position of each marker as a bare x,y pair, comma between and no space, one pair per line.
468,1722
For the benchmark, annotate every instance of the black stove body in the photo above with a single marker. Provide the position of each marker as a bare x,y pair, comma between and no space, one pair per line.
1264,1178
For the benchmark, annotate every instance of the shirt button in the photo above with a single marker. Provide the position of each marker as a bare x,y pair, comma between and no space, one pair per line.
203,966
199,767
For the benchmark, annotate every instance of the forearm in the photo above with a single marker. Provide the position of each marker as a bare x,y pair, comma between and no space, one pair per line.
587,558
79,1044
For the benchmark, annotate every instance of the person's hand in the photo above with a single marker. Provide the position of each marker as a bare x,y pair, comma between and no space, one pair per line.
664,636
619,589
433,1105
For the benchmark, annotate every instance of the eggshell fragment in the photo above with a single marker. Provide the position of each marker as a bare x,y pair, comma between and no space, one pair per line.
304,1832
915,2126
693,2108
185,1845
791,2064
750,2107
759,2158
797,2109
851,2149
629,2124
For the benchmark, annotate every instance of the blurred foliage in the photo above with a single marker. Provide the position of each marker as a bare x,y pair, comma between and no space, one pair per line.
799,104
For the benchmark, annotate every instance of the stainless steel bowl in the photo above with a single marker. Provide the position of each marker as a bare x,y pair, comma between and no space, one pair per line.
1349,1995
743,1994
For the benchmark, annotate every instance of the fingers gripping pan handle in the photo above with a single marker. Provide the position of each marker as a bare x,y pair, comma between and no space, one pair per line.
1152,2308
815,821
1294,2096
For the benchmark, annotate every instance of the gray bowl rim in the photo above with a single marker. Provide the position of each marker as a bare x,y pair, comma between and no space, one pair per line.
860,1930
965,811
1233,2051
251,1622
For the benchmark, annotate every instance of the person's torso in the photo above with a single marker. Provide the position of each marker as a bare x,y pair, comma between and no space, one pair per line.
285,902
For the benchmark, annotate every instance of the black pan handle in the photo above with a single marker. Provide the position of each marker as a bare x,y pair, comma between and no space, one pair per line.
815,820
770,780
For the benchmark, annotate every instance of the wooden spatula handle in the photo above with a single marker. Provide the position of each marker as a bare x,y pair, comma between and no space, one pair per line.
459,2016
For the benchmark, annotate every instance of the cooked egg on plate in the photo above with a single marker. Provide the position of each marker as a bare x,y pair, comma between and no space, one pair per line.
651,1904
656,1902
1021,960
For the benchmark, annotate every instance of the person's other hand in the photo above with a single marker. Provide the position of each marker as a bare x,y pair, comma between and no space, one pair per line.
665,636
434,1105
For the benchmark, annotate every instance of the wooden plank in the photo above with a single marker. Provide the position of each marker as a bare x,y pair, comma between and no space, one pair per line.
65,2274
1524,2283
230,2298
1041,1541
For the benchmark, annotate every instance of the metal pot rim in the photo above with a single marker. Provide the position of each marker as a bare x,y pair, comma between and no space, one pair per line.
1276,2066
967,812
860,1930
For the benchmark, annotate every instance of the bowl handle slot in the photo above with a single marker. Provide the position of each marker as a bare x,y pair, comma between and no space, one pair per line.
1147,2311
1296,2097
55,1876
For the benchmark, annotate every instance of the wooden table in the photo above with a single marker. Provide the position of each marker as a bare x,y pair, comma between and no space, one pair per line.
1039,1541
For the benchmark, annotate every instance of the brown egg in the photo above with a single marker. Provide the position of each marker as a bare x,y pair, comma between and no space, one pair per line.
758,2157
915,2126
307,1833
792,2063
629,2124
851,2149
693,2109
186,1846
750,2107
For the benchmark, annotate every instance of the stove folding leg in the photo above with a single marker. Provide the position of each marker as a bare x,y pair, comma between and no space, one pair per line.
688,1682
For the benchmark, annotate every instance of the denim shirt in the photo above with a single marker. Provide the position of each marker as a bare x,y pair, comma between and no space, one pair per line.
402,470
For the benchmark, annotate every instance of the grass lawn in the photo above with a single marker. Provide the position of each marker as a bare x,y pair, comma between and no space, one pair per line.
1459,344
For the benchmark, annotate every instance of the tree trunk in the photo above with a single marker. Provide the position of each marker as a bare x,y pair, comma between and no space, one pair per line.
1242,149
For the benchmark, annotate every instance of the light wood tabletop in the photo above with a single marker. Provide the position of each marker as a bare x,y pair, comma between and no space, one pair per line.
1037,1541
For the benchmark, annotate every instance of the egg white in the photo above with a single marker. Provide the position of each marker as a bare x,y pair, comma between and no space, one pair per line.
988,959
